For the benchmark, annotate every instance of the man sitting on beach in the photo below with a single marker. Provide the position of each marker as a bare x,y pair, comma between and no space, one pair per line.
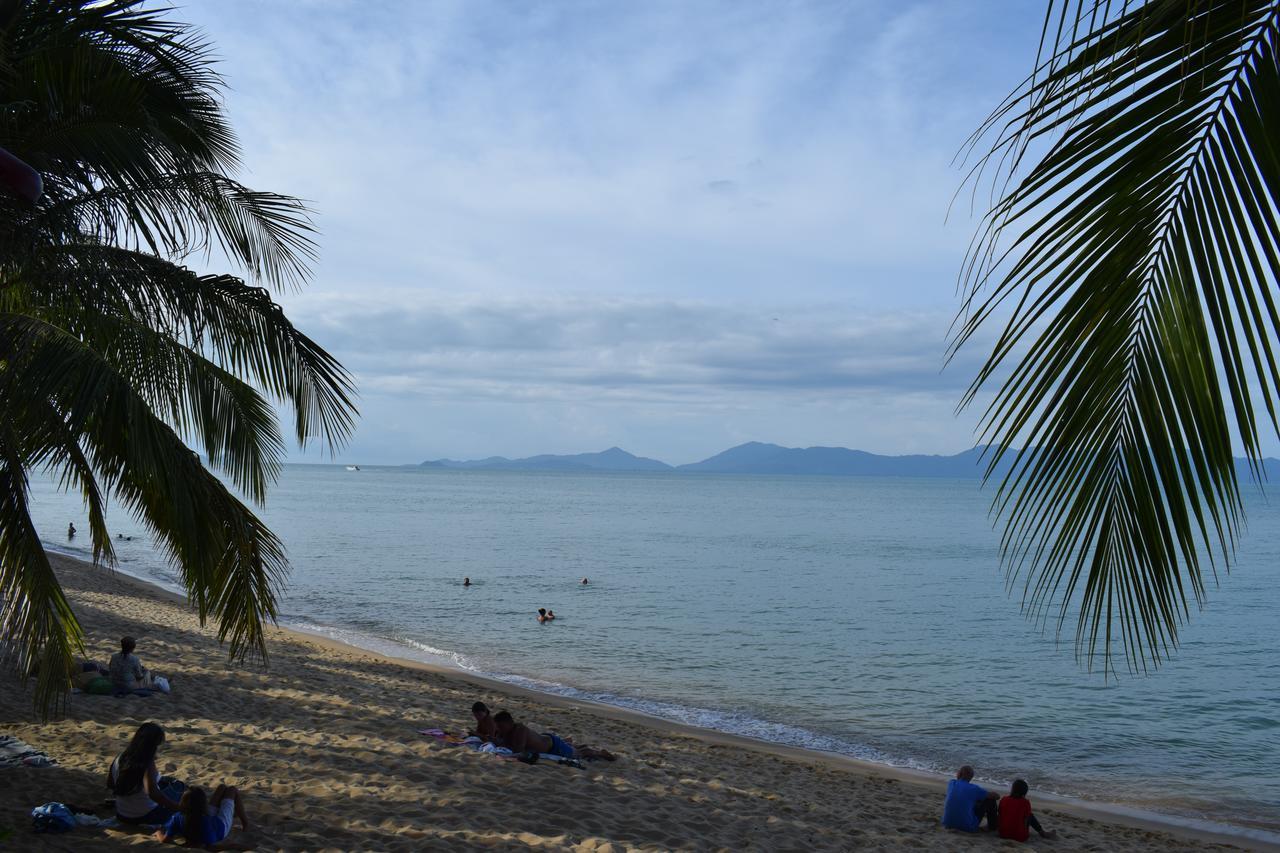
967,804
127,672
520,739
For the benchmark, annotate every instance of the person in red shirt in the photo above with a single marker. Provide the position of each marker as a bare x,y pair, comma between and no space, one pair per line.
1016,818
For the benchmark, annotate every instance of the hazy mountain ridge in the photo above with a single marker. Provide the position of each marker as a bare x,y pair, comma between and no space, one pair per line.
756,457
613,459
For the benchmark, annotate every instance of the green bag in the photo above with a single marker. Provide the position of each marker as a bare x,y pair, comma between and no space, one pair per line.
100,687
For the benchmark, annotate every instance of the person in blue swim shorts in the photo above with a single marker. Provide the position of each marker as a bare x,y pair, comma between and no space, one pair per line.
519,738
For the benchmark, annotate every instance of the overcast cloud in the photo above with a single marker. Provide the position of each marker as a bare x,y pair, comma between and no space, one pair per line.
669,226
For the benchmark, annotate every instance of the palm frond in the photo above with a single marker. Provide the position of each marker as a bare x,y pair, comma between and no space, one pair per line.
232,566
203,403
237,326
39,633
1136,259
111,352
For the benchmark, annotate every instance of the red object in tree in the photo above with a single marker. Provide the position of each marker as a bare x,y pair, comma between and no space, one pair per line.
16,175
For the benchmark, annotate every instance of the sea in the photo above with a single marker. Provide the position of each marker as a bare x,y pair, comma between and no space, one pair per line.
861,616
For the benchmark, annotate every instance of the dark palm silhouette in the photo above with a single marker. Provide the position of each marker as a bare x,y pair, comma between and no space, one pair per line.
114,357
1131,258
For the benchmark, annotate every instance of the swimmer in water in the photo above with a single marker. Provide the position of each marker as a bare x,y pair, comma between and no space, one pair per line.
466,581
551,614
71,531
542,614
584,581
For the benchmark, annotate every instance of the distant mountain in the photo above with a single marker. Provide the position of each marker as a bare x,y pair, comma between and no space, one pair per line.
757,458
613,459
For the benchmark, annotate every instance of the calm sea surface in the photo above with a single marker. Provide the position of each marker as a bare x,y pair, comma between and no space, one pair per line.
861,616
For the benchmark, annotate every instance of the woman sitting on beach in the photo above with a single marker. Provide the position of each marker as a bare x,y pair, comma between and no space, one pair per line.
128,675
211,818
141,795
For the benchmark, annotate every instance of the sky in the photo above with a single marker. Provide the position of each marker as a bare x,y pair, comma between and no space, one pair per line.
667,226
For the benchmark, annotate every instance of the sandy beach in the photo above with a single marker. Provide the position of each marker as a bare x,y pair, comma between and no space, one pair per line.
324,747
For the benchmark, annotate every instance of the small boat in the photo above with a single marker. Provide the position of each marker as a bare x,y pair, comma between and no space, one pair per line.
353,467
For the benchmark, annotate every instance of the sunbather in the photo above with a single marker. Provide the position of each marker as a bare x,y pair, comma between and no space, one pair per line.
485,728
519,738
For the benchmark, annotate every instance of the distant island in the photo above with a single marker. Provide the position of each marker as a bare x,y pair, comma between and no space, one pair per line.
756,457
751,458
613,459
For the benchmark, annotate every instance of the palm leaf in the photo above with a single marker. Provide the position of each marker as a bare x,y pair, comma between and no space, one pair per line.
112,353
231,564
39,632
237,326
1133,265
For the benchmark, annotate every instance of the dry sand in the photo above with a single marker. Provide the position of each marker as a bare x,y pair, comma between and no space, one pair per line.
325,750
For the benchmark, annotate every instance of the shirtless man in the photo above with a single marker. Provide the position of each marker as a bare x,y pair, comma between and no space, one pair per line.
484,722
519,738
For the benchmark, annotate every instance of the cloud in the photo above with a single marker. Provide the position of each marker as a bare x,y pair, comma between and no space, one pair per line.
667,225
696,150
630,349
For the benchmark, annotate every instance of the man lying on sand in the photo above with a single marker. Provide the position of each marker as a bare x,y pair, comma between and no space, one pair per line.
519,738
967,804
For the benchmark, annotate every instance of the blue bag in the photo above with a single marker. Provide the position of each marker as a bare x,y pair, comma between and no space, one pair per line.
52,817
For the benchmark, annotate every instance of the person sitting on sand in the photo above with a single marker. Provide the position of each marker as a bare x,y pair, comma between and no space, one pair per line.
127,672
1016,816
542,614
967,804
485,728
141,795
210,817
519,738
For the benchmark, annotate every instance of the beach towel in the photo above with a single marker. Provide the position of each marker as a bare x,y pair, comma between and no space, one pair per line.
445,737
137,691
15,753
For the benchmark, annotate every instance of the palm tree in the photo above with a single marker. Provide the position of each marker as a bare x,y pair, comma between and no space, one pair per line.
1133,252
115,359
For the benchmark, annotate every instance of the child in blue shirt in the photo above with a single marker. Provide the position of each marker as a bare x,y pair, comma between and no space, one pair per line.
212,821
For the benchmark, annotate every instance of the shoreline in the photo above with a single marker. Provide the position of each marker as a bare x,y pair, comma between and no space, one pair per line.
660,728
1208,831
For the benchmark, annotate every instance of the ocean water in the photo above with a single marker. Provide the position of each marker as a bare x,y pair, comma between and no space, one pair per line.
861,616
